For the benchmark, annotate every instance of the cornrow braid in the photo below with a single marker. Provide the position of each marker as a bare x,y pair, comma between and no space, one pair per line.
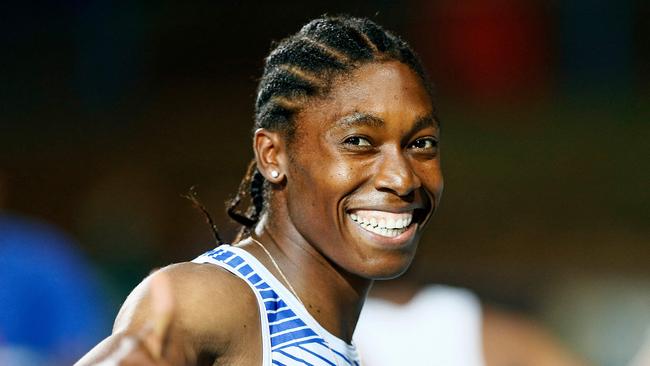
193,197
301,67
243,192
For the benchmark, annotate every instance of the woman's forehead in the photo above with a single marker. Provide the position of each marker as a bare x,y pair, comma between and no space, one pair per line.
372,78
375,92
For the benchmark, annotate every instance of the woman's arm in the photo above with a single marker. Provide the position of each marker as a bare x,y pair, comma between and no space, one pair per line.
141,327
170,318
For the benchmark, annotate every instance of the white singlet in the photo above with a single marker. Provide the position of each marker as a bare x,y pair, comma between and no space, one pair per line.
290,335
440,326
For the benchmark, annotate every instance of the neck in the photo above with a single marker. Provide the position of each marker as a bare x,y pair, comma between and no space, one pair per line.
398,291
333,296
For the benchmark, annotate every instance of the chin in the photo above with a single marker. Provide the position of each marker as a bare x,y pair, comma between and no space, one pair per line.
385,266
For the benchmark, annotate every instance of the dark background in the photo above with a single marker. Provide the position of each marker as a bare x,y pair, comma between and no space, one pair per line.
110,111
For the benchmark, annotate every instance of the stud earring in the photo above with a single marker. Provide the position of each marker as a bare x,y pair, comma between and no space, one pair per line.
274,174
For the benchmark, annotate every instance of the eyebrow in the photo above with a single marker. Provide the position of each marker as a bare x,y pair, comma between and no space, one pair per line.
361,119
366,119
423,122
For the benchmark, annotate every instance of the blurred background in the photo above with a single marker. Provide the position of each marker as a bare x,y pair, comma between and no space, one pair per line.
110,111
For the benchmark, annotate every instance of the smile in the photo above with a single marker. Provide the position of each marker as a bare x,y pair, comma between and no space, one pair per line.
382,223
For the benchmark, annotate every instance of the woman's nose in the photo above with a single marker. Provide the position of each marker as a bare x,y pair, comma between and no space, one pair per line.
395,174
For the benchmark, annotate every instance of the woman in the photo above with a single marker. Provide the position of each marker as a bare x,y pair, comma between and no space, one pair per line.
406,323
346,174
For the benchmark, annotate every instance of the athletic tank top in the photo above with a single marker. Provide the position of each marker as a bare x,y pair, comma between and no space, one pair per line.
290,335
440,326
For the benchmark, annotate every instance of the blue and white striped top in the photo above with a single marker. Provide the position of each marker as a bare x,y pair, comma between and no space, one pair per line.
290,335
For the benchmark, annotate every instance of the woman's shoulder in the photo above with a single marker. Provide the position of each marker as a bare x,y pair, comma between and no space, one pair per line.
201,279
197,284
209,303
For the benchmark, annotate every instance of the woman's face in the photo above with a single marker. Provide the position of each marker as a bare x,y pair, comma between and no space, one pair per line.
365,170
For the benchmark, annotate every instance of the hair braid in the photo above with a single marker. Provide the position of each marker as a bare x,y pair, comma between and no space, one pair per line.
242,193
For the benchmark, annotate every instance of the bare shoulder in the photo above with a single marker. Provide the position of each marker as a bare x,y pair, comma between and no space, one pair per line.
513,339
210,304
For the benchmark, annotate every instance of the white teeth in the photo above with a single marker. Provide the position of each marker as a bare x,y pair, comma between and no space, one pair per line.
386,226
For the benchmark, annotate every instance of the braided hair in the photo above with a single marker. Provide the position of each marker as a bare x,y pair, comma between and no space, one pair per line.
301,67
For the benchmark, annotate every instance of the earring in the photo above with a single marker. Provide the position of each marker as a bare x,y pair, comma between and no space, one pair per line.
274,174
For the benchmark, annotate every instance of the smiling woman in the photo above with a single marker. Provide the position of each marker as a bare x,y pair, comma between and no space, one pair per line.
346,174
360,153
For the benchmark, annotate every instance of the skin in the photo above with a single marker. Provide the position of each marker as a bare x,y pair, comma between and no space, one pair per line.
511,339
370,144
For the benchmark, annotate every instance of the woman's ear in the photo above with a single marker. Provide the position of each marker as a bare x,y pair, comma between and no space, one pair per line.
271,154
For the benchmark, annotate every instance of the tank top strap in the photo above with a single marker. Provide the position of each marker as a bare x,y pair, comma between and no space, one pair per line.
228,258
290,335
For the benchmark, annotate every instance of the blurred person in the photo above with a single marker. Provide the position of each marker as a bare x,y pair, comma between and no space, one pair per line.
403,323
51,307
606,315
642,358
345,176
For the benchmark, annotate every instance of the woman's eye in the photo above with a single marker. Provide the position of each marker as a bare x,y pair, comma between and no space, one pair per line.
357,141
424,143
